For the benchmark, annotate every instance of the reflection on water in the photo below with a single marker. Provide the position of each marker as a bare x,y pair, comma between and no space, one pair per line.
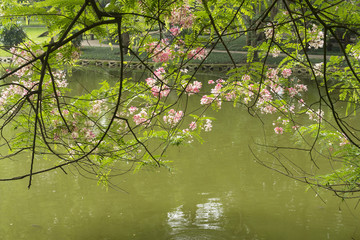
208,215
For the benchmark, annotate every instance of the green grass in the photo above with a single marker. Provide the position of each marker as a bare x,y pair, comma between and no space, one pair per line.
33,33
105,53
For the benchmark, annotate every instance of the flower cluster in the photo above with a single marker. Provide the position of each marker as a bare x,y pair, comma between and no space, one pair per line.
316,38
269,31
316,116
141,117
158,83
160,51
198,53
193,87
182,17
173,117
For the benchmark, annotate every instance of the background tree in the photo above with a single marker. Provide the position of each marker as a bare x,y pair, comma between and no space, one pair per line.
11,35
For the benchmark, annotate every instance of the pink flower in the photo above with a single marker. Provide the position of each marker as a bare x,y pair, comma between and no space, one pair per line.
230,96
74,135
193,87
268,109
175,31
301,87
245,77
211,82
286,72
182,16
208,125
344,140
217,89
140,117
192,126
132,109
272,73
173,117
265,95
279,130
163,92
158,72
198,53
206,100
65,112
292,91
89,135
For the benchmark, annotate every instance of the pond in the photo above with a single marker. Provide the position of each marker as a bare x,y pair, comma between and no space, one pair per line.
215,191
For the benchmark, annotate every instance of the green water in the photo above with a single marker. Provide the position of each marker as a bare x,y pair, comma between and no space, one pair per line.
216,191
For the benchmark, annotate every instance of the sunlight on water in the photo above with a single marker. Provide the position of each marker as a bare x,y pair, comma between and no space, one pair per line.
207,215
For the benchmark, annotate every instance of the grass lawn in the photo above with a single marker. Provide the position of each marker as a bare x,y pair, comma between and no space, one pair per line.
33,33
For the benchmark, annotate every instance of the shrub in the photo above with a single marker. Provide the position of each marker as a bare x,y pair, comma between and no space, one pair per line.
11,35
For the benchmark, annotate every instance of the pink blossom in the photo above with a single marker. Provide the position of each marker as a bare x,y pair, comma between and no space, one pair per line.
317,38
160,51
272,73
89,135
198,53
132,109
268,109
208,125
211,82
206,100
98,106
275,52
316,116
163,92
245,77
295,127
175,31
193,87
192,126
301,87
217,89
279,130
173,117
182,16
269,31
56,137
74,135
301,102
286,72
230,96
344,140
140,118
158,72
265,95
292,91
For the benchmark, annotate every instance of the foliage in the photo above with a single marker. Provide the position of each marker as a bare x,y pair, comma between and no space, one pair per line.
130,124
11,35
